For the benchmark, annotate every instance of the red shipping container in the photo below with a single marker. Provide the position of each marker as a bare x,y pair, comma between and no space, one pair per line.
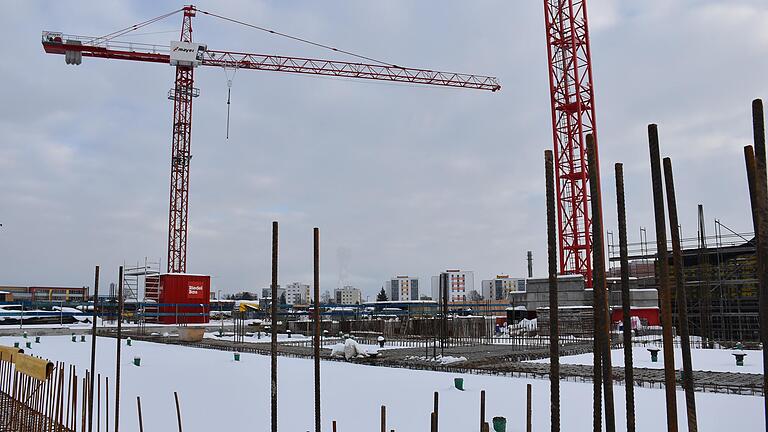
191,291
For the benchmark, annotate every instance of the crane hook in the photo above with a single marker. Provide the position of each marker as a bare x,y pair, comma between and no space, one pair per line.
229,94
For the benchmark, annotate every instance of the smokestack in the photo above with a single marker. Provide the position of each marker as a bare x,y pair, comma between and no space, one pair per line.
530,264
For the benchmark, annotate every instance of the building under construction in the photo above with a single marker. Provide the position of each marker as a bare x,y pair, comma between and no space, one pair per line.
720,274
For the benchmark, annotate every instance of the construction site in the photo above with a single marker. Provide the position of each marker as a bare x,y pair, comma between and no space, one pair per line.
241,330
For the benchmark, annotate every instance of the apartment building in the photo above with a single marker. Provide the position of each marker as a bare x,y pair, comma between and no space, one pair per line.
500,287
297,293
348,295
402,288
460,283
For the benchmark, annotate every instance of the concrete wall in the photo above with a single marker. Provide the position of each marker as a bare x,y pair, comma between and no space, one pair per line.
570,289
571,292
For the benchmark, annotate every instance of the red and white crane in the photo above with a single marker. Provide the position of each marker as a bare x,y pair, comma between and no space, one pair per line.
187,55
573,117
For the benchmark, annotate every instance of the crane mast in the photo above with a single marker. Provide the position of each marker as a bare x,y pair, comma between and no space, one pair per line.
187,55
181,139
573,118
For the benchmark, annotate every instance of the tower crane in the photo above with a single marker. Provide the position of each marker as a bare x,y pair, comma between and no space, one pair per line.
187,56
572,101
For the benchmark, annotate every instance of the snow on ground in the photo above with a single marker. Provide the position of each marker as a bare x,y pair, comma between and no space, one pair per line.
254,337
364,347
719,360
217,393
443,360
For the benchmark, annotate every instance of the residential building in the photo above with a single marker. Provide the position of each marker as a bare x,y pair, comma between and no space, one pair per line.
460,283
266,293
51,294
401,288
348,295
501,286
297,293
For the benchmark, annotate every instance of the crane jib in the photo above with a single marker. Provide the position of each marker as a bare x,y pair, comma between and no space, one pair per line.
195,54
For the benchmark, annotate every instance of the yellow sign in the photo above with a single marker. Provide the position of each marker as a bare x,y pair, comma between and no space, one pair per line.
245,305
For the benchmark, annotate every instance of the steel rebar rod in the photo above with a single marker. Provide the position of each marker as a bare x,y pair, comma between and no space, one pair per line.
138,407
106,404
59,394
98,407
444,322
69,394
682,297
625,300
178,410
119,345
436,410
761,210
554,347
74,402
599,285
383,418
702,270
529,410
663,276
273,344
482,410
597,370
86,398
318,324
93,349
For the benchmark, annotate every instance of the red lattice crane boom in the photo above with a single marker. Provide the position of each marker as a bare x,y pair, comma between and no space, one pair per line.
573,117
187,55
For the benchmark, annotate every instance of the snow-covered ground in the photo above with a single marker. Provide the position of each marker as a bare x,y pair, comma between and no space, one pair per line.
719,360
253,337
443,360
217,393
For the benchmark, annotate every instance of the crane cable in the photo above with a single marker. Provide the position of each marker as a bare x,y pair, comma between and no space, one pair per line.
118,33
229,92
296,38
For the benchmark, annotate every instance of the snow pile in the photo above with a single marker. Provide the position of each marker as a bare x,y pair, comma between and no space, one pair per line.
443,360
523,327
350,349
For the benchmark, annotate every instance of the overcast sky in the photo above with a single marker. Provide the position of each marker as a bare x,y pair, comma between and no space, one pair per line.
401,179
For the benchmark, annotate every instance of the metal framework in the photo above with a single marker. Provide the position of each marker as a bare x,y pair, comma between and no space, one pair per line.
573,117
76,47
181,95
720,273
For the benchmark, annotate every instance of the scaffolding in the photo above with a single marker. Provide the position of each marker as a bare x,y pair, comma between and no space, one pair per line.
134,278
142,281
720,274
